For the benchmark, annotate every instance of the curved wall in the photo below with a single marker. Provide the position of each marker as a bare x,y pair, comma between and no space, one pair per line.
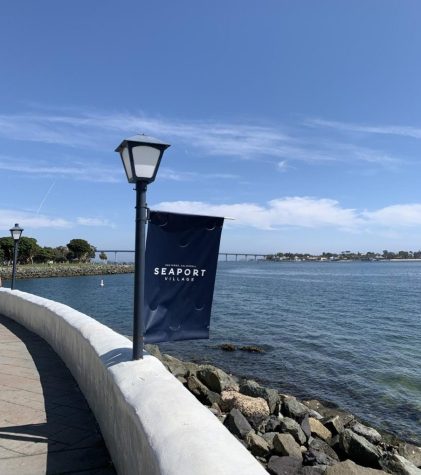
150,423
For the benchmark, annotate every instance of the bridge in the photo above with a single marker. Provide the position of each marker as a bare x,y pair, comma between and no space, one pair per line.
227,256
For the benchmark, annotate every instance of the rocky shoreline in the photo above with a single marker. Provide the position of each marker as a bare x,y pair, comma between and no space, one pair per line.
64,270
288,436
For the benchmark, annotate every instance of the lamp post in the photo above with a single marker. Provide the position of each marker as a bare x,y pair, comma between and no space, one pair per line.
16,233
141,156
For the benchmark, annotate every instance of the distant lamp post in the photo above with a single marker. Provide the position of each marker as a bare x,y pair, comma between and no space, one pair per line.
16,233
141,156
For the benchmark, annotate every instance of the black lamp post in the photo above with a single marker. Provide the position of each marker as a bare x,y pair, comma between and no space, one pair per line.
141,156
16,233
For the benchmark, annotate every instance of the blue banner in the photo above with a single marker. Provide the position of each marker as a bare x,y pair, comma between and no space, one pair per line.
181,260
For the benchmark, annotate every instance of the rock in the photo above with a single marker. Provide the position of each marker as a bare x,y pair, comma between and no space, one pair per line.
326,412
410,452
284,444
257,445
216,379
227,347
252,349
315,470
315,457
305,426
350,468
237,424
273,424
322,446
292,427
215,409
318,429
284,465
396,464
359,449
294,409
369,433
203,394
154,351
178,368
337,424
255,409
254,389
269,436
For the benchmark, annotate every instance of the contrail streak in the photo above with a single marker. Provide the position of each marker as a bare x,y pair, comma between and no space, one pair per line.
45,197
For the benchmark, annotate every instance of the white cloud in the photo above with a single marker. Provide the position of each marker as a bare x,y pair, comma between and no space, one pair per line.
395,215
75,170
26,219
404,131
9,217
290,211
305,212
239,140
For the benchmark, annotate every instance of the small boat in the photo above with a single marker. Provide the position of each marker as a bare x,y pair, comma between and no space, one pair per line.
102,283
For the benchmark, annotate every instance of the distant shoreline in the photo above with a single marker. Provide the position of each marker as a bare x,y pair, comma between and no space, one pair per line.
64,270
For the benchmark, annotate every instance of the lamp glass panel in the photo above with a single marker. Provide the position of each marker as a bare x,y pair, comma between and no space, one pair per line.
16,235
145,160
126,161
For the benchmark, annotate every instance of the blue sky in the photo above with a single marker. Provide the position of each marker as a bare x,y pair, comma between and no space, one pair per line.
301,119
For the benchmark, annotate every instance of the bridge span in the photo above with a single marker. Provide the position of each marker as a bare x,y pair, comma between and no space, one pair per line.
227,256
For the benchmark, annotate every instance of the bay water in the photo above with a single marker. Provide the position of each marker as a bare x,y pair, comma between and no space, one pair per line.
347,333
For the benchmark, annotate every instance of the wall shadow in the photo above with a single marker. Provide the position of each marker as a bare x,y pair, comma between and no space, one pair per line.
68,435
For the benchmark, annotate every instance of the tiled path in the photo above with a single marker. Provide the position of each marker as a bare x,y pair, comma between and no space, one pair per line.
46,426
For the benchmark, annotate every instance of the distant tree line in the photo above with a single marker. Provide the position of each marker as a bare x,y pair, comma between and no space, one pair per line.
30,252
346,255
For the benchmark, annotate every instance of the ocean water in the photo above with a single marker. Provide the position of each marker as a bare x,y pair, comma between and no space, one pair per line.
348,333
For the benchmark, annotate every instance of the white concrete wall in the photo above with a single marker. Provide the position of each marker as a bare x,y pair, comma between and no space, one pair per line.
151,424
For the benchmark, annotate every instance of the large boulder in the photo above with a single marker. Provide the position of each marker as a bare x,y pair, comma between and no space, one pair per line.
368,432
284,444
410,452
269,436
321,446
292,427
319,430
359,449
237,424
203,394
254,389
216,379
338,423
255,409
284,465
350,468
396,464
273,424
315,457
178,368
257,445
305,426
312,470
294,409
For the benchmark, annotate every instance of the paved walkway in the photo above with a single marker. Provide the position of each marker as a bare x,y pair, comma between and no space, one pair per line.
46,426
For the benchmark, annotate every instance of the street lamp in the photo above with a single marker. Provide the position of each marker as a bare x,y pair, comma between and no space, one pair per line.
141,156
16,233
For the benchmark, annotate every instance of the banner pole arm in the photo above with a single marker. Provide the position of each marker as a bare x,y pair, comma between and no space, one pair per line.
139,276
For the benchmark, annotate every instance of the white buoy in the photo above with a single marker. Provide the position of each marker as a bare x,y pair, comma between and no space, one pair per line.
102,283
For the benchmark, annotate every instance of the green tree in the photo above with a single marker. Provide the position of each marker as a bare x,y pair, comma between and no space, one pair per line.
1,257
6,245
103,256
44,254
28,248
81,250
